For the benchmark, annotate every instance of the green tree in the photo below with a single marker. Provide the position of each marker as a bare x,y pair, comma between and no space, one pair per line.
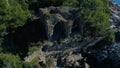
27,65
24,4
95,17
10,61
12,15
70,3
18,14
4,17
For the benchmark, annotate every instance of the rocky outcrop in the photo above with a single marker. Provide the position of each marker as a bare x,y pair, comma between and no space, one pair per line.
115,16
63,22
108,56
72,61
60,22
115,19
37,54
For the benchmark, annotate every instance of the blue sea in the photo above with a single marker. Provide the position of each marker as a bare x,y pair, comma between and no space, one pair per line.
117,1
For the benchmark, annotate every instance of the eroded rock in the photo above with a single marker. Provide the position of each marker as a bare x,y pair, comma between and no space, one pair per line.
60,22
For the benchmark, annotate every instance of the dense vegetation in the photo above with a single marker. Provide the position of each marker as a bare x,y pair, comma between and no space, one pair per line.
14,14
95,15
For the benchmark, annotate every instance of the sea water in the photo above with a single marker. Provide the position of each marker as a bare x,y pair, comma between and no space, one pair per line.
117,1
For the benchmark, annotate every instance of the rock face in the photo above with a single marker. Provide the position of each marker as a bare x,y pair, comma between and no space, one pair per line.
60,22
108,56
51,23
115,19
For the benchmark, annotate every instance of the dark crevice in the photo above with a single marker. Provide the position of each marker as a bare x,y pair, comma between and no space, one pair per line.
76,27
107,63
59,31
117,36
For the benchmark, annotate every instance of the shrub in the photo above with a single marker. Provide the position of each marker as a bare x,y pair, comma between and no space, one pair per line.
10,61
70,3
27,65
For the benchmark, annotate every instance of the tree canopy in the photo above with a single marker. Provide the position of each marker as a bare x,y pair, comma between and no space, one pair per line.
12,15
